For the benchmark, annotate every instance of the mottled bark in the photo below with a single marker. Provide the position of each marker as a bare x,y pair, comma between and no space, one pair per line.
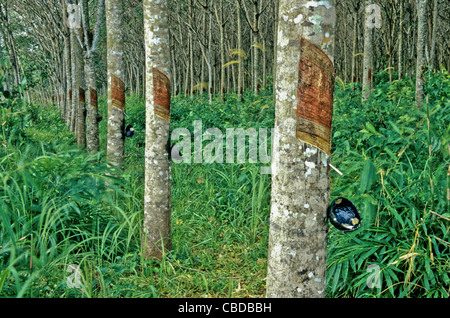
221,24
434,34
67,68
368,75
116,86
75,79
81,115
92,137
239,47
421,40
300,162
156,237
400,42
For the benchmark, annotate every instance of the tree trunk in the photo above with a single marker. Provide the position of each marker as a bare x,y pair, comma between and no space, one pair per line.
368,56
400,43
302,144
354,42
81,118
67,67
157,231
421,40
75,84
92,137
239,47
116,86
91,107
434,35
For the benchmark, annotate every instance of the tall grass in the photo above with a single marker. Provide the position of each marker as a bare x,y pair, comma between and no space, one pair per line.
394,163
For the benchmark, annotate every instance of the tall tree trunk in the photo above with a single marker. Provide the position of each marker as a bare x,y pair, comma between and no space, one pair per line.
191,52
92,142
434,34
157,231
75,84
354,42
220,22
81,117
116,86
302,145
421,40
239,47
92,137
368,55
400,43
67,68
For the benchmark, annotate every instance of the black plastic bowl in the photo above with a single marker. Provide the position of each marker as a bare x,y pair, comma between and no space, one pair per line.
344,215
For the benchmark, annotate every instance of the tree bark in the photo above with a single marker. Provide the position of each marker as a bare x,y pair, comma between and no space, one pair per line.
302,143
92,137
116,86
157,230
368,56
400,42
434,34
421,40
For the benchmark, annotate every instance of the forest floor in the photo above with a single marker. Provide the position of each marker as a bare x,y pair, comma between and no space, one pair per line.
64,233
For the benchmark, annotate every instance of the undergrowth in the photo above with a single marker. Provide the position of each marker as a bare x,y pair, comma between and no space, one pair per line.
65,219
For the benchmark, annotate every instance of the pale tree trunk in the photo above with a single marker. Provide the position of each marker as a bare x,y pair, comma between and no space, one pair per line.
92,137
191,51
75,84
220,22
302,145
67,68
239,47
434,34
368,75
354,39
421,40
400,42
156,238
116,86
79,74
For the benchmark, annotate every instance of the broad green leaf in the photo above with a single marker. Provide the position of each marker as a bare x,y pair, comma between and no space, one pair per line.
337,274
368,176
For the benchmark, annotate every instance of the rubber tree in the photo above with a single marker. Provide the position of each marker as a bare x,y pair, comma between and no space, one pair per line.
157,230
368,72
302,142
90,44
421,42
116,86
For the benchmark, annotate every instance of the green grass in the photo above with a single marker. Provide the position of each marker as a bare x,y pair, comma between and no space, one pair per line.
58,207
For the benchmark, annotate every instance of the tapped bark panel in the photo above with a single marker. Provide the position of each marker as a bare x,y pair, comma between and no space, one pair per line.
314,133
82,95
161,94
94,97
315,93
117,92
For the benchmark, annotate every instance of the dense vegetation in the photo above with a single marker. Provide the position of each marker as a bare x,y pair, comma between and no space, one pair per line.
60,206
